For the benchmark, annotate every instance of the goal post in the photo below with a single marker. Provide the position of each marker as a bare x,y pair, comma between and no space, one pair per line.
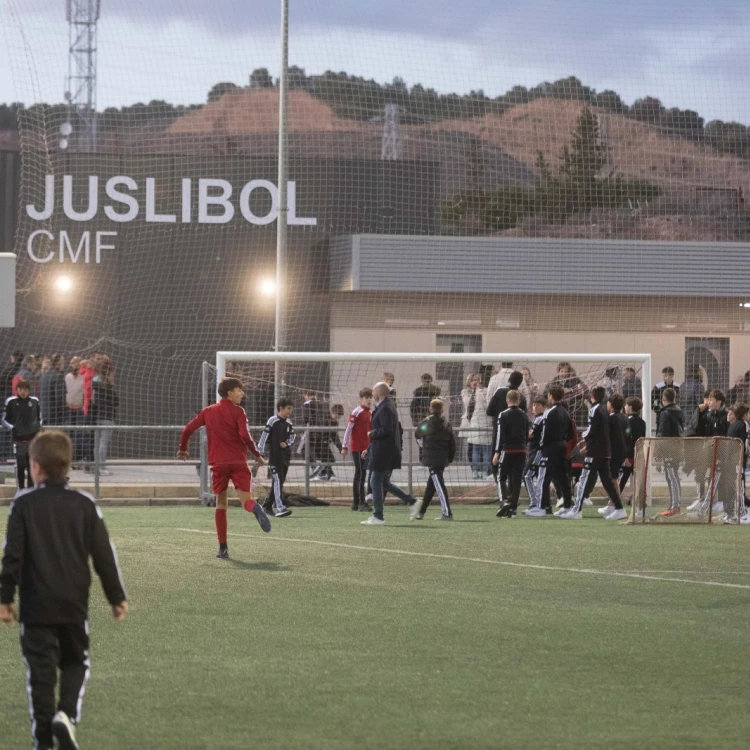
688,480
336,378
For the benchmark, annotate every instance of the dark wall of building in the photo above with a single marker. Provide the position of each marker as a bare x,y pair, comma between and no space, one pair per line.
169,295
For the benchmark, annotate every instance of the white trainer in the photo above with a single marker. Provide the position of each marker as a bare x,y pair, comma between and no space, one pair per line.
694,505
729,519
606,510
372,521
64,731
588,501
414,510
616,515
744,520
560,512
536,513
369,498
559,503
571,515
718,508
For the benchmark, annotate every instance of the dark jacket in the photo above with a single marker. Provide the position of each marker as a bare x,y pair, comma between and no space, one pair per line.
6,379
619,429
512,431
636,431
386,436
738,429
656,392
498,405
698,424
632,387
23,417
52,396
596,435
420,404
52,532
277,431
691,395
437,441
315,413
716,423
671,421
105,402
536,438
556,431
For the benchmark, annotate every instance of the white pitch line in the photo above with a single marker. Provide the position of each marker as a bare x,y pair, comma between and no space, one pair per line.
531,566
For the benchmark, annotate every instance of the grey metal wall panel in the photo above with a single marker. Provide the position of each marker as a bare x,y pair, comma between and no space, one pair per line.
550,266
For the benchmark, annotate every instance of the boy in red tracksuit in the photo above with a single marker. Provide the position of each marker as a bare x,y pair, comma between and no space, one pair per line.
228,444
357,441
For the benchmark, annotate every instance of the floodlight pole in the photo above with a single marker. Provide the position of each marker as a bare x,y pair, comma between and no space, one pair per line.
281,222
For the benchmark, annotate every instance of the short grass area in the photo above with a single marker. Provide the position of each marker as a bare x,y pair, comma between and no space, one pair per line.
328,634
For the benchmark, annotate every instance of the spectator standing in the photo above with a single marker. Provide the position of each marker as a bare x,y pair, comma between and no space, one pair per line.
74,405
481,430
52,391
691,391
740,393
420,403
631,384
659,388
25,372
528,389
389,379
499,379
464,430
575,392
103,410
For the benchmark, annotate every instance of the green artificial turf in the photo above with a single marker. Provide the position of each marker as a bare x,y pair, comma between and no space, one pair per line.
293,644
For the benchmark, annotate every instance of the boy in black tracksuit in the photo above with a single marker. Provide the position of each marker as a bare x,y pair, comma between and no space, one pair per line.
636,431
618,437
438,443
52,532
278,438
671,424
553,443
23,417
596,464
531,470
510,454
716,425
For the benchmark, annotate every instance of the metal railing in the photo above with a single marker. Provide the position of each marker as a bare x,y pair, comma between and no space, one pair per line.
307,460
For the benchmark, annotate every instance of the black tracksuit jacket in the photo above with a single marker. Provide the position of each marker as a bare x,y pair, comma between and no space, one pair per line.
435,437
598,444
556,431
52,532
277,431
671,422
637,427
512,431
23,417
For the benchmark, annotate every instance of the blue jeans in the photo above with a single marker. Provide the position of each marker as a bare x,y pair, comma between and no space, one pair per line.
480,458
381,483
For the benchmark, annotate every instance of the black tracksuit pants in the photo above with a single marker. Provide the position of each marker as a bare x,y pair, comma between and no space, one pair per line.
47,648
22,464
511,468
594,468
436,483
276,495
555,467
358,485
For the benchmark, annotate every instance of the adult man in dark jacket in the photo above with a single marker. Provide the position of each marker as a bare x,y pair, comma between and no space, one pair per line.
670,425
386,438
52,391
423,395
52,532
510,454
597,462
438,444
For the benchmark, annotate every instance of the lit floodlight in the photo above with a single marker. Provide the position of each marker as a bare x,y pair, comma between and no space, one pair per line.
63,284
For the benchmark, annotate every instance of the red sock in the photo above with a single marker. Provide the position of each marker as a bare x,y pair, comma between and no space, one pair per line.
220,517
248,505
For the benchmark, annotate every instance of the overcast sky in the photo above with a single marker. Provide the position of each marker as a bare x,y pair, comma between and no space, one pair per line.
692,54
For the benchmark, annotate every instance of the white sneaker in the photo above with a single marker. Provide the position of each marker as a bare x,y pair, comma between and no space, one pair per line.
560,512
588,501
369,498
694,505
718,508
64,731
536,512
729,520
372,521
744,520
559,503
571,515
616,515
414,510
606,510
528,510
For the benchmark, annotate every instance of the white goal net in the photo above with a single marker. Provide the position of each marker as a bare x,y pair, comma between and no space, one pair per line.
688,480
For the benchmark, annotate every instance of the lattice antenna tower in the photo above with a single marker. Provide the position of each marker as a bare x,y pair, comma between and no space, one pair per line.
82,17
391,149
